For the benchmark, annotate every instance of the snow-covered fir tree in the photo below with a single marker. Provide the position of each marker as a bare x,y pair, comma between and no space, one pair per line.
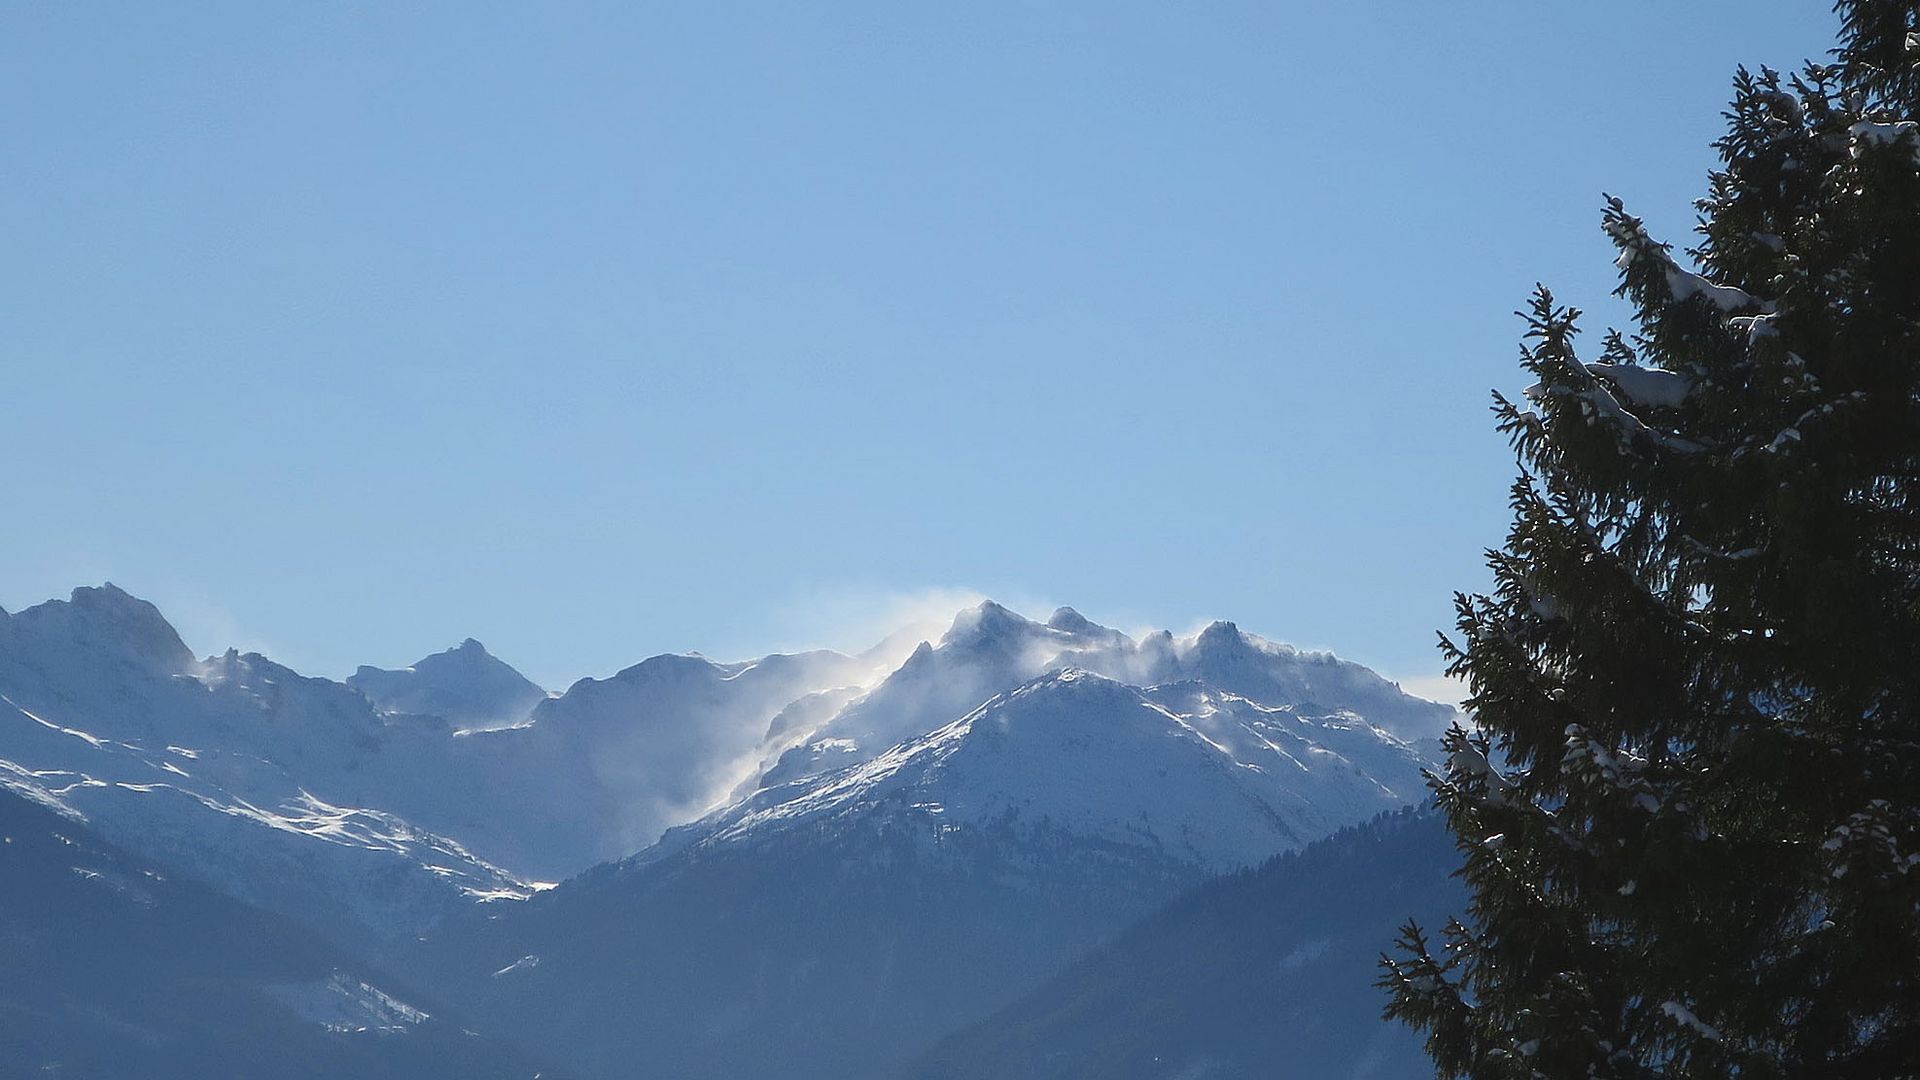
1690,809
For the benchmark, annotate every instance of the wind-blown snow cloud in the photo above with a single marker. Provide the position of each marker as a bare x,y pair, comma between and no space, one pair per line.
853,620
1442,688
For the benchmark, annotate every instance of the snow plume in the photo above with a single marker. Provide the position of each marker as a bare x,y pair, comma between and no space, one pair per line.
211,627
884,625
1445,689
688,750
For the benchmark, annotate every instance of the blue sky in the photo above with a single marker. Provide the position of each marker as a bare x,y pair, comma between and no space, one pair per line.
349,331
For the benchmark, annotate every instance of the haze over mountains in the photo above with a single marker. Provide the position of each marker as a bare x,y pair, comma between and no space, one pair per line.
810,864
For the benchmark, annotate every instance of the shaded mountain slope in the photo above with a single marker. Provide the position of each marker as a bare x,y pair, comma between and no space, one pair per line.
114,969
1262,974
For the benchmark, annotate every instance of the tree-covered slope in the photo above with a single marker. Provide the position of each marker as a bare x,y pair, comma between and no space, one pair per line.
1267,973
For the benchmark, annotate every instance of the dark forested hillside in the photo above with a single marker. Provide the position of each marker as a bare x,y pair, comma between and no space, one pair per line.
833,956
1267,973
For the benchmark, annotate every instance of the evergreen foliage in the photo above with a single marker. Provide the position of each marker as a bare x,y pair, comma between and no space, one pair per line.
1690,809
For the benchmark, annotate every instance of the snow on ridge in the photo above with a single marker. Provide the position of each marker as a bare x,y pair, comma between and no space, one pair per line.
990,649
1215,780
236,821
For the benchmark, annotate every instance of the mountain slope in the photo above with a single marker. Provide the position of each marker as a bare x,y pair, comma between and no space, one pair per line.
1202,778
115,969
1266,974
236,770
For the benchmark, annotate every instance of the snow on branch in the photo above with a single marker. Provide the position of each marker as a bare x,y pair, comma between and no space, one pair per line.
1468,763
1645,385
1598,401
1867,134
1683,1016
1869,836
1636,245
1685,284
1615,768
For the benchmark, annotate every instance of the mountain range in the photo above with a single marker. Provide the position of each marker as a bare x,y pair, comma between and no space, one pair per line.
802,865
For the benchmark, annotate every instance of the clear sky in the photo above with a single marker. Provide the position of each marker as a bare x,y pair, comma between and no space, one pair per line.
346,331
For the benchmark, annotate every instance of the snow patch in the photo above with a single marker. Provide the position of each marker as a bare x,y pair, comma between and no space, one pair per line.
525,963
343,1003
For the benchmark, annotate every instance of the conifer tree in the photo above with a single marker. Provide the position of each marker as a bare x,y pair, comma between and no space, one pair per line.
1689,809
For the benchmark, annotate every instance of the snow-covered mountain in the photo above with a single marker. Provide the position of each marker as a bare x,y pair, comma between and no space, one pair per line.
466,686
855,858
220,767
1198,775
870,896
350,805
602,770
990,649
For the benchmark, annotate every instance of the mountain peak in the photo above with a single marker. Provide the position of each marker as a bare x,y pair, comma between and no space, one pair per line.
1222,639
465,685
1072,683
1075,677
992,611
109,619
986,622
678,667
1221,630
112,601
1065,618
469,653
